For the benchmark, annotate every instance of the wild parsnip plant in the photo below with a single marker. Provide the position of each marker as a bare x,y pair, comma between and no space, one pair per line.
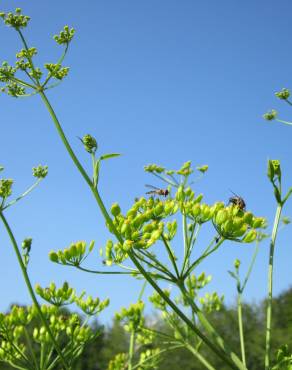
136,234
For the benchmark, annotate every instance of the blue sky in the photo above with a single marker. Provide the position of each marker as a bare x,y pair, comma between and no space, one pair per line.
162,82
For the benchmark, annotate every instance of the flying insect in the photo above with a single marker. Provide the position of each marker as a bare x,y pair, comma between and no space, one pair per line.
157,191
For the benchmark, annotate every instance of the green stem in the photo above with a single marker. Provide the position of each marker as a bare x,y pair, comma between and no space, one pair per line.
185,240
170,255
131,350
201,358
240,325
255,253
22,195
102,272
219,351
209,328
156,355
30,289
205,254
31,349
286,122
270,286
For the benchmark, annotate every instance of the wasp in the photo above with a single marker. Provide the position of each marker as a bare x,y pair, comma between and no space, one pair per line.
157,191
237,201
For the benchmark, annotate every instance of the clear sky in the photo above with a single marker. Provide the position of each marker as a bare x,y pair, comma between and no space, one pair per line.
158,81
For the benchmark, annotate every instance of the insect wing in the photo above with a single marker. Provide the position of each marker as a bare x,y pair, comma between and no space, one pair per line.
152,187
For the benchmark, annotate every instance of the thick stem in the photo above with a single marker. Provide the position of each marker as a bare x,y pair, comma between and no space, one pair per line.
240,326
270,286
30,289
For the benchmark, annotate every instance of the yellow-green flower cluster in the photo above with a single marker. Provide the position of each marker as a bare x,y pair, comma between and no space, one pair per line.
211,302
67,329
40,171
15,20
283,94
196,211
149,359
234,224
141,227
74,255
91,306
132,317
185,169
57,71
118,362
154,168
58,297
65,36
5,188
195,283
158,301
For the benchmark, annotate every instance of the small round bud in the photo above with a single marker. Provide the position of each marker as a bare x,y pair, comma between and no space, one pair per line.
53,256
89,143
250,236
237,264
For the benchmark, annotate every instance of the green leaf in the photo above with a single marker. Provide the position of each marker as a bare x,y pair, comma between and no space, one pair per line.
1,168
107,156
232,274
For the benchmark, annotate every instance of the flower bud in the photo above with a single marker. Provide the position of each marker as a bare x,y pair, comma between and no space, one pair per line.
248,217
196,210
180,194
237,264
90,144
250,236
115,209
221,217
158,209
127,245
53,256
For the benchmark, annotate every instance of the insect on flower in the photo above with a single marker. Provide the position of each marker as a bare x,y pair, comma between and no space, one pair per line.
237,201
157,191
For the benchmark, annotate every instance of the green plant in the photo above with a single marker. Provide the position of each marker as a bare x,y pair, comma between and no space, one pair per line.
137,232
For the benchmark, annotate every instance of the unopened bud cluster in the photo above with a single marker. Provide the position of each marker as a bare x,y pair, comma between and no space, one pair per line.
141,227
283,94
56,70
118,362
234,224
157,301
65,36
73,255
149,359
91,306
132,317
56,296
40,172
67,329
66,295
211,302
195,283
271,115
5,188
15,20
